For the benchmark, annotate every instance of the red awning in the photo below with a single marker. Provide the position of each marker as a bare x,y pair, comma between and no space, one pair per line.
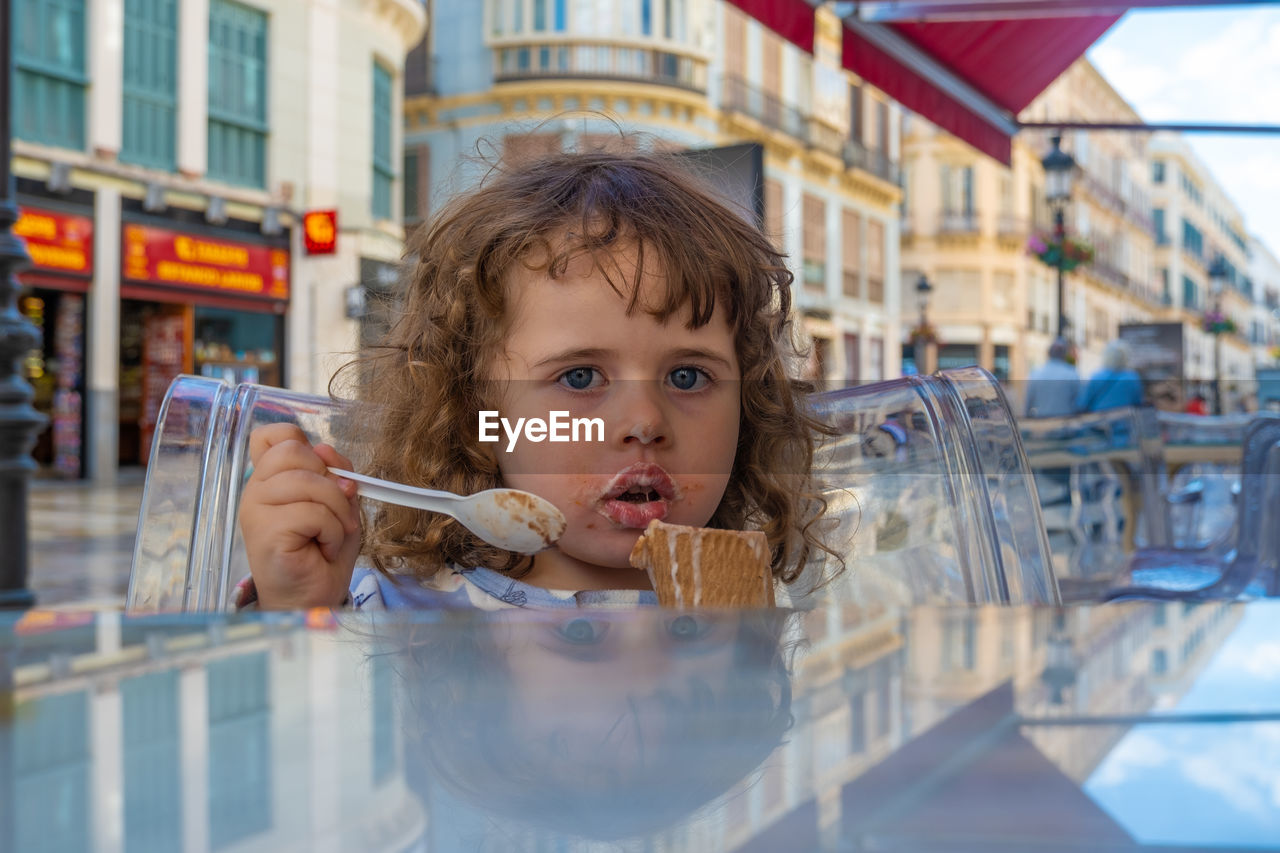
971,78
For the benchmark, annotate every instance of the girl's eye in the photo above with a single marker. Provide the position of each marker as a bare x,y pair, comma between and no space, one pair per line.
582,632
580,378
687,628
689,378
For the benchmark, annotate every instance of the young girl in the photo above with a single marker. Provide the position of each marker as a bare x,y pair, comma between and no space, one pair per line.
608,287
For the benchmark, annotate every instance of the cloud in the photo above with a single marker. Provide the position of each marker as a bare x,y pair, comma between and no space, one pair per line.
1261,662
1208,66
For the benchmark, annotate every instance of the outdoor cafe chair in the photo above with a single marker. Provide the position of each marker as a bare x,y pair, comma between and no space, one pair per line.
1251,567
929,495
1104,491
1203,452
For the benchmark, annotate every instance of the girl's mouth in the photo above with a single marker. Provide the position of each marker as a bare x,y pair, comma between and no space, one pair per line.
637,495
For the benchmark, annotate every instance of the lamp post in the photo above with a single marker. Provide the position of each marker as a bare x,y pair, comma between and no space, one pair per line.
1217,280
19,422
920,349
1059,171
1059,667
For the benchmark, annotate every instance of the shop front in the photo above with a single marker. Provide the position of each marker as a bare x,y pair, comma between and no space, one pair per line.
209,302
54,290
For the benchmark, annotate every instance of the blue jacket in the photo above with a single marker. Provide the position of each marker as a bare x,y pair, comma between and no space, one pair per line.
1111,389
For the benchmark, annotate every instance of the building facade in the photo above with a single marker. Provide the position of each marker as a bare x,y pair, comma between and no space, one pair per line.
516,78
163,199
967,222
1196,222
1264,329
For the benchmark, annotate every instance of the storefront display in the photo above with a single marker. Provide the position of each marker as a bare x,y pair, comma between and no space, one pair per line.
60,244
199,301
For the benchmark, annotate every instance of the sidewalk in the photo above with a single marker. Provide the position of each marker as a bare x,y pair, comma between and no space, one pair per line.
81,541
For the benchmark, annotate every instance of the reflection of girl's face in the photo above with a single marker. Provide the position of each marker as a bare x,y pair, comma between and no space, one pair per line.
605,693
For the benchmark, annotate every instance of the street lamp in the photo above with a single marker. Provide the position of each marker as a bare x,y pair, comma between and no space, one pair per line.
1059,667
920,347
1059,171
19,422
1217,281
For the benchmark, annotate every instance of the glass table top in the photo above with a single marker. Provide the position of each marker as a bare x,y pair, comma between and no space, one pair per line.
841,728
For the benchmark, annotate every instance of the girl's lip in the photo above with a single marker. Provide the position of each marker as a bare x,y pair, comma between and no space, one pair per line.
638,514
642,475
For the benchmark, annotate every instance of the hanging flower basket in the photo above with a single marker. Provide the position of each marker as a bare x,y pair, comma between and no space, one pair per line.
924,333
1216,323
1068,253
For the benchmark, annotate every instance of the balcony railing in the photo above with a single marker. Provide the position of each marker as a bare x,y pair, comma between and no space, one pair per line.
585,59
1009,226
737,94
958,222
859,156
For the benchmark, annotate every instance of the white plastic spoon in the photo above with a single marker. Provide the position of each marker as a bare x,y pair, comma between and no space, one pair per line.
506,518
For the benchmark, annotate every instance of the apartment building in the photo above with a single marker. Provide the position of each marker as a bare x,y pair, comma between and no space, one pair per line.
967,220
165,156
1196,222
514,78
1264,327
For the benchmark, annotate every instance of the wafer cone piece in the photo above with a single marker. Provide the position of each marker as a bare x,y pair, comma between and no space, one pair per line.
701,567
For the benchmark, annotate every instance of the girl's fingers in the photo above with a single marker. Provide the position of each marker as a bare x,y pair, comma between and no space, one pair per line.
306,523
333,459
296,486
287,455
263,438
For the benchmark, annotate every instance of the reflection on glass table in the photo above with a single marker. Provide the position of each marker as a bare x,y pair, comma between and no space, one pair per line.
840,728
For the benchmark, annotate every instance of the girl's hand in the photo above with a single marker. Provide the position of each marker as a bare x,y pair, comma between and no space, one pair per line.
301,524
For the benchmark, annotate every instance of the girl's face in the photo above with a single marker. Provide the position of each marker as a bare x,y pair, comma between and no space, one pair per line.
668,397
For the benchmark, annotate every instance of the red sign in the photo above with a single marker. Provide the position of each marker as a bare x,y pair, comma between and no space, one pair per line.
320,231
160,256
57,242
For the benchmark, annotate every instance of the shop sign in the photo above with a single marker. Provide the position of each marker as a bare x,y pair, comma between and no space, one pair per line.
160,256
57,242
320,231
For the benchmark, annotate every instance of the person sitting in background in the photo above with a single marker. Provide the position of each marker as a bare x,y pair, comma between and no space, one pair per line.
1054,386
1114,385
1196,406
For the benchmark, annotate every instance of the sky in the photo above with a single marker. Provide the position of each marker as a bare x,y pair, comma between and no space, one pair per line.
1209,65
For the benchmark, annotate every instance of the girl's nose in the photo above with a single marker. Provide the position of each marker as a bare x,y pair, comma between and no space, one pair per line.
642,415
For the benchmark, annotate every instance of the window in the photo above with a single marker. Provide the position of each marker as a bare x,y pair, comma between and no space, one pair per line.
1190,296
51,757
850,250
1157,172
957,189
152,762
49,77
237,94
410,210
1192,239
815,242
1157,218
239,711
149,108
383,173
875,260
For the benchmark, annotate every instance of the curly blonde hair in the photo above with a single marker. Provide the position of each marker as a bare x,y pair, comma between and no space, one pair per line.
421,388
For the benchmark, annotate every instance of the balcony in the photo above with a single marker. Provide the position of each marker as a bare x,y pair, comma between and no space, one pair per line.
592,60
858,156
958,222
740,96
1010,227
